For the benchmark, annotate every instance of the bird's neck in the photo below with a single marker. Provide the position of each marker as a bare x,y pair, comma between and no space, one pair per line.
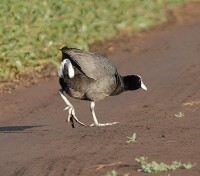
120,87
126,83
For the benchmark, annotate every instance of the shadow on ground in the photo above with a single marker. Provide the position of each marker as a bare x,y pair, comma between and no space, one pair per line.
16,129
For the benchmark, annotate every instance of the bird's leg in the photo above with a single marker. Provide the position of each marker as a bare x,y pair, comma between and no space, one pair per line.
96,123
71,111
93,113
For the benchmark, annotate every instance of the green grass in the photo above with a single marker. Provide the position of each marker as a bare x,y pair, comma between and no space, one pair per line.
158,167
132,138
179,115
114,173
32,32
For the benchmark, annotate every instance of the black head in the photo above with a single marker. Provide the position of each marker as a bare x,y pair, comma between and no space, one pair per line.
133,82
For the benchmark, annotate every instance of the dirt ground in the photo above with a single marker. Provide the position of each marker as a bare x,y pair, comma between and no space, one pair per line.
35,139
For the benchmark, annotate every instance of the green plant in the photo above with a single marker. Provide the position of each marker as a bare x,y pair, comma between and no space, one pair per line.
132,138
179,115
158,167
114,173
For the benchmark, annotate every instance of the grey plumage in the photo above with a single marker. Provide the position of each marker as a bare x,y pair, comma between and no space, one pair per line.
94,78
91,64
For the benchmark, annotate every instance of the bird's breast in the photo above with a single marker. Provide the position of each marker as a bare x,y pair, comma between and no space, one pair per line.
77,86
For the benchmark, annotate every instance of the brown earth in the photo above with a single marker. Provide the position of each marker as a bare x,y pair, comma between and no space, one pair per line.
35,139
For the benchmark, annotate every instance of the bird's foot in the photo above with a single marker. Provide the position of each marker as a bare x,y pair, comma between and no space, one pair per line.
103,124
72,116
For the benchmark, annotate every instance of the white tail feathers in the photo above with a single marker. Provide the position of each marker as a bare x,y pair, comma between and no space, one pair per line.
69,67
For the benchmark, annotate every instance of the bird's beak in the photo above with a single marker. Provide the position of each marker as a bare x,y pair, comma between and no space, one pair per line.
143,86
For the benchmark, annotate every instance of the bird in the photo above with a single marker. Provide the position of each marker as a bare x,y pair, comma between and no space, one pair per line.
92,77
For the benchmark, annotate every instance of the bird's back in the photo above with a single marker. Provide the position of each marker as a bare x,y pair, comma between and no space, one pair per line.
95,76
91,64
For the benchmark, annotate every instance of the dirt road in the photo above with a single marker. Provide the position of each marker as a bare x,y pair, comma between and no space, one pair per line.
35,139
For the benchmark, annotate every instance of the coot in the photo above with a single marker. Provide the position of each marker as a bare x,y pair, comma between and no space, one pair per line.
93,77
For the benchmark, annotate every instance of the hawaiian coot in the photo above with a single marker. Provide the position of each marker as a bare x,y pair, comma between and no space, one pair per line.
90,76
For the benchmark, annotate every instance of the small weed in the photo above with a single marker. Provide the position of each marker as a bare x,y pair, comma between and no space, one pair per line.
192,103
132,138
179,115
126,175
114,173
188,165
158,167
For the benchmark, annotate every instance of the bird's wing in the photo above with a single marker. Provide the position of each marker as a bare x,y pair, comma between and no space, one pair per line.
92,65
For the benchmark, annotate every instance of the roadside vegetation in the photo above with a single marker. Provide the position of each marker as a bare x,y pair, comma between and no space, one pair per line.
114,173
33,31
132,138
153,166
